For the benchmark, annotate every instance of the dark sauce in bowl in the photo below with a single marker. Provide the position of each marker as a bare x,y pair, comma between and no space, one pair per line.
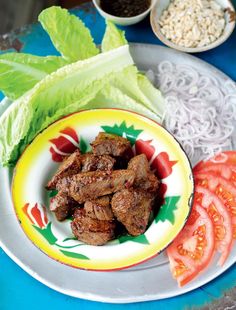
125,8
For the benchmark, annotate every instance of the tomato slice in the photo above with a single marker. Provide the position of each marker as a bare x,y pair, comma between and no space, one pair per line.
224,164
220,217
192,250
223,189
226,158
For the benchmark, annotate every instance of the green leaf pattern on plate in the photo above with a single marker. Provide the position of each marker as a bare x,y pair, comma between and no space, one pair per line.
74,255
47,233
166,212
52,193
49,236
139,239
83,145
69,246
124,131
70,238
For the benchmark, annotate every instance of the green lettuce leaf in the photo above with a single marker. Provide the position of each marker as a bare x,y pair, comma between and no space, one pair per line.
152,93
20,72
4,104
130,81
68,34
14,123
111,96
62,92
113,37
127,82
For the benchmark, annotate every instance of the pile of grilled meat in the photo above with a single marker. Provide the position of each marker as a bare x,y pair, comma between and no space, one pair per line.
104,190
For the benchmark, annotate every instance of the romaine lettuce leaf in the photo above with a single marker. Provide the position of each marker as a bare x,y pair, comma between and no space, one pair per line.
4,104
113,37
152,93
110,97
68,34
62,92
20,72
14,123
129,80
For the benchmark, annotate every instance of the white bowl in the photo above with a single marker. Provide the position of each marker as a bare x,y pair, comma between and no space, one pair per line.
124,21
42,158
230,17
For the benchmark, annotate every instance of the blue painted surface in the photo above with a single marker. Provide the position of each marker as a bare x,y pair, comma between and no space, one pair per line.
223,57
17,288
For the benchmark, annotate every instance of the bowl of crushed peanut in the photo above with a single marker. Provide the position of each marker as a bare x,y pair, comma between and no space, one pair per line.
193,25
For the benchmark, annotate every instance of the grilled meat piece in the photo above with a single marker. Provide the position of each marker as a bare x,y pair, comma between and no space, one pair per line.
90,185
62,206
71,165
99,208
145,179
91,162
139,164
109,144
132,208
151,184
90,230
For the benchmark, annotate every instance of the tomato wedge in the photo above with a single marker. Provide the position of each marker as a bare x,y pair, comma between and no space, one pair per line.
220,217
223,189
192,250
224,164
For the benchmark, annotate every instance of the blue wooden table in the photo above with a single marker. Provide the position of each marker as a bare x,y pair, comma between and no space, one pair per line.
20,291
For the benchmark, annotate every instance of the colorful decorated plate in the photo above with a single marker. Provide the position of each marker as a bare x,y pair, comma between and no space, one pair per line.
41,159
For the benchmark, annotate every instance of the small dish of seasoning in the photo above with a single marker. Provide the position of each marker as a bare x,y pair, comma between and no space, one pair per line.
193,25
124,12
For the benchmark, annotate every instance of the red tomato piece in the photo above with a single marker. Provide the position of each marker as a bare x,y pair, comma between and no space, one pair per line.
223,189
192,250
220,217
223,164
226,157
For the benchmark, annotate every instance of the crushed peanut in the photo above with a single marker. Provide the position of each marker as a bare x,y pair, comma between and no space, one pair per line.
192,23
